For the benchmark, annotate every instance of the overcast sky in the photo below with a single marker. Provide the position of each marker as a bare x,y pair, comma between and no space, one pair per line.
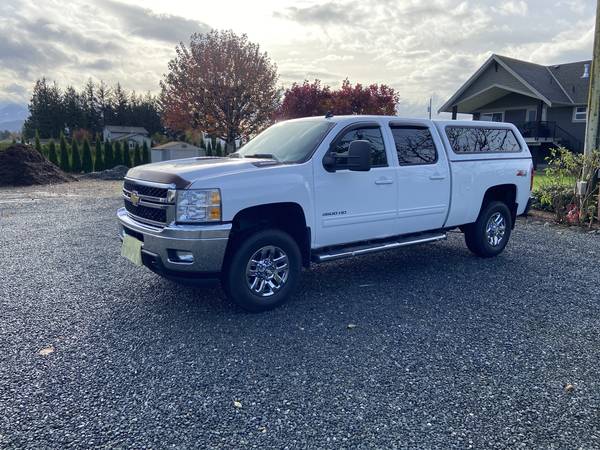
421,48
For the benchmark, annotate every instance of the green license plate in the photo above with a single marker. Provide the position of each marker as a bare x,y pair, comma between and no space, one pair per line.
132,249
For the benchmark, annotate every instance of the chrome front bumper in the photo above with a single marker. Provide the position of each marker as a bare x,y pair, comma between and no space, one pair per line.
207,243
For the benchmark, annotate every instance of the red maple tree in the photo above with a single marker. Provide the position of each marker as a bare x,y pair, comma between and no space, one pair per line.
315,99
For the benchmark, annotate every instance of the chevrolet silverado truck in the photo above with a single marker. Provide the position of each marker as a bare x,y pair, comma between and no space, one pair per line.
318,189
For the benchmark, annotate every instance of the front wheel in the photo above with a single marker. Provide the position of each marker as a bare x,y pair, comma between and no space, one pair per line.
489,235
263,270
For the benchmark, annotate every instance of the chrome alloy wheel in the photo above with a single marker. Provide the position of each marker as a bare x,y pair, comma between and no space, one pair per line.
495,229
267,271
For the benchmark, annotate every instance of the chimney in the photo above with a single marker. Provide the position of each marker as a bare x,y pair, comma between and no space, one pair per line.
586,71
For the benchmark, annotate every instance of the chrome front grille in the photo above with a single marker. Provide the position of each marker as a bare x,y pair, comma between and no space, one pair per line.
149,202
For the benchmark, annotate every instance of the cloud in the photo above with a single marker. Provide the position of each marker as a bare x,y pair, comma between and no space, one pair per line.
145,23
322,14
421,48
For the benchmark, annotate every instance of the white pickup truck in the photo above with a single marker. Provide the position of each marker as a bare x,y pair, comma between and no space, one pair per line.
317,189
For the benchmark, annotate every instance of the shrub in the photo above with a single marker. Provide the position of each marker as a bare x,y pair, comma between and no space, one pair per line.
117,154
98,159
108,155
64,154
145,153
38,145
52,156
126,155
75,157
558,194
137,156
87,164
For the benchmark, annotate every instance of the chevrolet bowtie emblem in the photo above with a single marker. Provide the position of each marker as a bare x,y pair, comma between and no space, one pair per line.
135,198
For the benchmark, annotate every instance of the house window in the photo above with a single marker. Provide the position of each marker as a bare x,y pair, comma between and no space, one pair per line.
131,145
531,115
580,114
492,117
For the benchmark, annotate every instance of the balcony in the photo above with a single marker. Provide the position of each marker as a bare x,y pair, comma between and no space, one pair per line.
549,132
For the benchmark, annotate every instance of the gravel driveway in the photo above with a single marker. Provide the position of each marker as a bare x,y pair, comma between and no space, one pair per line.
448,350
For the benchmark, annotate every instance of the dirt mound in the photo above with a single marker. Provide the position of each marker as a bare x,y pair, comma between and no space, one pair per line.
22,165
116,173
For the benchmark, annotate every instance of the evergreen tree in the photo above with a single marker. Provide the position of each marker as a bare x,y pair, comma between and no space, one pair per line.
38,145
145,153
209,151
219,149
137,156
87,164
98,160
64,154
75,157
52,156
126,155
109,161
117,154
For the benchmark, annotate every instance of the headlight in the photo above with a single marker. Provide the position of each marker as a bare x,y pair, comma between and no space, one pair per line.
195,205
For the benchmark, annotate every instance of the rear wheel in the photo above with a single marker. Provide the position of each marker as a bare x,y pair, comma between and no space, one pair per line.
263,270
489,235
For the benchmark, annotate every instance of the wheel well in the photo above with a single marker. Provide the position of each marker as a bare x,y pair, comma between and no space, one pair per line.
288,217
506,193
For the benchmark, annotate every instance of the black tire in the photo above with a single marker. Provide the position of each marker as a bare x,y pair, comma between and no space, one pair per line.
236,282
485,244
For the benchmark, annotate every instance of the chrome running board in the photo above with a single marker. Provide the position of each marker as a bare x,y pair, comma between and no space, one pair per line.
365,249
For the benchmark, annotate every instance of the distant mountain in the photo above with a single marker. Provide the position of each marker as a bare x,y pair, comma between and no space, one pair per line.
12,125
12,116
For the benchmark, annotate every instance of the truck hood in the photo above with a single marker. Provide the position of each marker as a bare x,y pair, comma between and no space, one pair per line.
183,172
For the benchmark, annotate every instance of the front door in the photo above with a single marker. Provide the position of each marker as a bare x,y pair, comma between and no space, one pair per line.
355,206
423,178
516,116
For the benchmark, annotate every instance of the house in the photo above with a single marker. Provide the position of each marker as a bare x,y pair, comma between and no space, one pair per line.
175,150
547,103
129,135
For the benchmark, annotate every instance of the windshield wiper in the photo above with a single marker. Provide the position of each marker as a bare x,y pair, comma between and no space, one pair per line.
262,155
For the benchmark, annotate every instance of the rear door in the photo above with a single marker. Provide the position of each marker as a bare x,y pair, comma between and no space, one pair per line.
423,176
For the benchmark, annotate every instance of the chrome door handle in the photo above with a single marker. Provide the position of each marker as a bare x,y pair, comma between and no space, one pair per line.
384,181
437,177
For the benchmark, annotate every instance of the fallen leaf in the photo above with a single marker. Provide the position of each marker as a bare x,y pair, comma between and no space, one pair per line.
569,388
262,429
351,326
46,351
237,404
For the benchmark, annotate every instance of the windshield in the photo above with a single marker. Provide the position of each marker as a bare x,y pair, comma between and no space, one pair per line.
287,142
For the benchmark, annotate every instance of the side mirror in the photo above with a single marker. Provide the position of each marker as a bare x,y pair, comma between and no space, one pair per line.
359,156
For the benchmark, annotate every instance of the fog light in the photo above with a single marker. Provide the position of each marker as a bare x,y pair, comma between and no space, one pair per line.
181,256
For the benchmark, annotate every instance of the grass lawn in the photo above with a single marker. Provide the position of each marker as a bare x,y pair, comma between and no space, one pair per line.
540,179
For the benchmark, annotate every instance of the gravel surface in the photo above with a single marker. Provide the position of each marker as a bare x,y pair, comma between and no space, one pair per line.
426,347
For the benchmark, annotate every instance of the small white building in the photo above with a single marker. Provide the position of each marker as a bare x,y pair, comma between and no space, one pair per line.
130,135
175,150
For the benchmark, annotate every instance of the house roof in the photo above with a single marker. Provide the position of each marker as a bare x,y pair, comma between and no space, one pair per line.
554,85
125,129
176,144
127,136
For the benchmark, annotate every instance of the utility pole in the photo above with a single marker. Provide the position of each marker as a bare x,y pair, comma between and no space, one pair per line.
431,99
592,131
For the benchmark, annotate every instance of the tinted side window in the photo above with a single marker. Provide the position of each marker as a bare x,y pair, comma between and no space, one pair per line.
414,145
371,134
482,140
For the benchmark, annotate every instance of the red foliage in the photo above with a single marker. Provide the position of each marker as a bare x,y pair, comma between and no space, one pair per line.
313,99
